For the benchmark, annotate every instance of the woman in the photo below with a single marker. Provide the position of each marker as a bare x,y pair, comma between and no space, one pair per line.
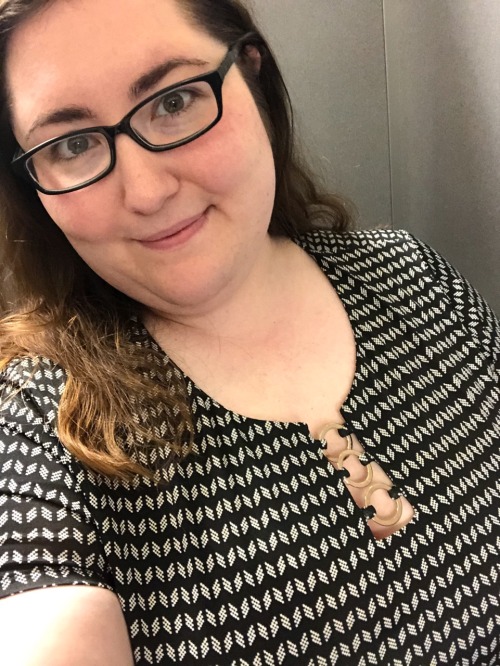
226,438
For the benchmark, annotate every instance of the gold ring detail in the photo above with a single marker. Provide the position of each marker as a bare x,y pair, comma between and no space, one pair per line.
398,509
335,426
330,426
369,469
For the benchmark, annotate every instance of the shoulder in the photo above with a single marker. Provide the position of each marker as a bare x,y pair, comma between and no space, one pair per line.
389,261
48,534
368,246
32,372
407,275
30,391
31,386
386,263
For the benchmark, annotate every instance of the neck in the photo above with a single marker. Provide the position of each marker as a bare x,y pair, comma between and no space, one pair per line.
247,311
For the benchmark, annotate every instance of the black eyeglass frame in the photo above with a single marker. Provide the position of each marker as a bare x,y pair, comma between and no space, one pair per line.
215,79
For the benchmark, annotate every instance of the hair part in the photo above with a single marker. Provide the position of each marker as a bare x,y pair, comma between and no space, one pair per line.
54,306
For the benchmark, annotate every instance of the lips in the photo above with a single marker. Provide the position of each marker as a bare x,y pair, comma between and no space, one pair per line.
177,235
173,230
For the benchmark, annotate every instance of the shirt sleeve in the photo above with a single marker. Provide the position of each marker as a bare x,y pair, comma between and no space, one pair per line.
47,535
468,304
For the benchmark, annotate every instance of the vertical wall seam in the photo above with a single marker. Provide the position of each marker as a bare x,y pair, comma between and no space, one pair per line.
389,134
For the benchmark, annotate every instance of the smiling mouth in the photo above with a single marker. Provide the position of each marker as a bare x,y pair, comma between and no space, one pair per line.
175,234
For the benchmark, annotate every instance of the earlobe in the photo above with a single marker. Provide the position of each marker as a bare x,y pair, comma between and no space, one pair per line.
253,54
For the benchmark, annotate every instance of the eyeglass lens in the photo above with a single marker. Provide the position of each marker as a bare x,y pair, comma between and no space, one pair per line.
168,118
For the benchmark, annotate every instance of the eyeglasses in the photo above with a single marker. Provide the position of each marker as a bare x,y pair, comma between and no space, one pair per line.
172,117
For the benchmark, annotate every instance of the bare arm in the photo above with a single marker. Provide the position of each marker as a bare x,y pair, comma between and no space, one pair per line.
77,625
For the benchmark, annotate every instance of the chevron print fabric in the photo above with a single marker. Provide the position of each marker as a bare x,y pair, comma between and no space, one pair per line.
251,552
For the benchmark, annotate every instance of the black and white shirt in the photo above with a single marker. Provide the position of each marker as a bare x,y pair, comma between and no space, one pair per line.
254,552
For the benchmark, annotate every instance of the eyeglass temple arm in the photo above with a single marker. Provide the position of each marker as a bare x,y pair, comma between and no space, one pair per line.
234,52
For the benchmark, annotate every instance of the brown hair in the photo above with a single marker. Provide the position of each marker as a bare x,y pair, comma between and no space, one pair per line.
55,306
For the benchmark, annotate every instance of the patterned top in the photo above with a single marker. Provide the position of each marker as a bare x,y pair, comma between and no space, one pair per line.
254,553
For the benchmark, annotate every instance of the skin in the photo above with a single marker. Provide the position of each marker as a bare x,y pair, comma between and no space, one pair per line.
229,171
225,302
64,626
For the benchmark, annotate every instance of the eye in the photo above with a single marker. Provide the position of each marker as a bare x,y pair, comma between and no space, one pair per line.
78,145
74,146
174,103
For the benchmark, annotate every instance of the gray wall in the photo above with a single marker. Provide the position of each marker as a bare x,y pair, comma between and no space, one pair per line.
398,103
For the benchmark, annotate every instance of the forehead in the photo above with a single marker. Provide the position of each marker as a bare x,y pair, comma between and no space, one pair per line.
85,47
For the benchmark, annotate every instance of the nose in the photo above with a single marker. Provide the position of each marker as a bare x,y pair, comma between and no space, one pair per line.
144,177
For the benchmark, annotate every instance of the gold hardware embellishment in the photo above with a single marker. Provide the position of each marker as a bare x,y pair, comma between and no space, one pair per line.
369,469
398,509
335,426
367,483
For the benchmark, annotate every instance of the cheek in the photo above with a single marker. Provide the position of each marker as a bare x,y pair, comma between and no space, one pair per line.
236,155
78,215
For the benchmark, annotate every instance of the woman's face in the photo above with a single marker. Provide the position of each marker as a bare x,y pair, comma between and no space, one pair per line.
218,190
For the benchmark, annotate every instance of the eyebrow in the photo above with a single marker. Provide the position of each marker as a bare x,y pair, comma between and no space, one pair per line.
147,81
141,86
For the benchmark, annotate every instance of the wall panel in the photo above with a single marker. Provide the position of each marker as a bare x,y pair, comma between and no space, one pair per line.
398,102
444,108
332,56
